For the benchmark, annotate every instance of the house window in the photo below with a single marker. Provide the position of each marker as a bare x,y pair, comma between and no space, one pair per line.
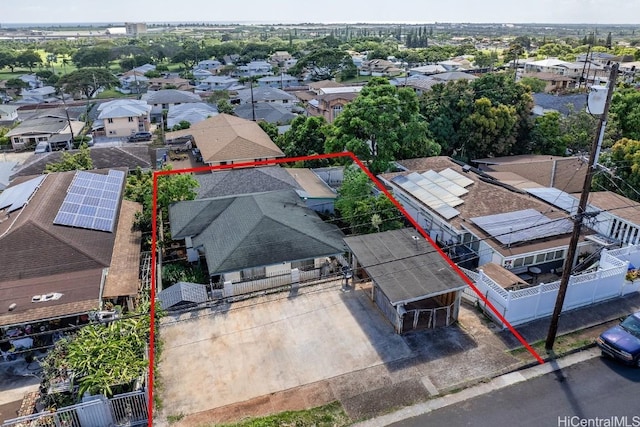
130,119
539,258
109,120
337,109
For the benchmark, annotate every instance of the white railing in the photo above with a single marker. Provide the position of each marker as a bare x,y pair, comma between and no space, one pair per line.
128,410
535,302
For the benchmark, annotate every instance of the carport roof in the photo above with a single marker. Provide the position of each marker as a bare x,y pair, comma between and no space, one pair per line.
405,267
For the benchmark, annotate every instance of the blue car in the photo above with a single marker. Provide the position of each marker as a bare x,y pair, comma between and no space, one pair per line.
622,342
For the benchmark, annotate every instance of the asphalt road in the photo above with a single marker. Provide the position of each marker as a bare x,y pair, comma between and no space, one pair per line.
595,388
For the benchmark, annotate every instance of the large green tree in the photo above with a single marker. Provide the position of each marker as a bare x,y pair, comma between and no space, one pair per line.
624,160
444,107
87,81
98,56
363,211
546,135
382,124
490,130
71,162
500,88
625,113
305,137
323,64
171,188
29,59
7,59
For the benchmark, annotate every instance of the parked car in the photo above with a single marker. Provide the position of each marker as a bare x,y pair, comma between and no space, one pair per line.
140,136
622,342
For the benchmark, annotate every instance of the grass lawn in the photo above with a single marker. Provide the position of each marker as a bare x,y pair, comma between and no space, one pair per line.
331,415
357,79
111,93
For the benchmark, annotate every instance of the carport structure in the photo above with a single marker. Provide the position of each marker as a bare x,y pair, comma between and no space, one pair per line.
413,285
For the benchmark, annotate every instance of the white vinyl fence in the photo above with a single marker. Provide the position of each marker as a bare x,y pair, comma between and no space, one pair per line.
277,280
536,302
128,410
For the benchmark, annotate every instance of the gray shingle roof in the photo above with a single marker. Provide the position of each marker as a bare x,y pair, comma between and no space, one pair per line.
170,96
265,111
560,103
254,230
404,268
264,94
102,157
182,293
244,181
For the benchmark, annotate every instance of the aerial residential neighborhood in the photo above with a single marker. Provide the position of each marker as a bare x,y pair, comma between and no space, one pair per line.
375,217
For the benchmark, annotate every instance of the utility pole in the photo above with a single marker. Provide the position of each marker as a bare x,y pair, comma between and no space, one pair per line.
577,224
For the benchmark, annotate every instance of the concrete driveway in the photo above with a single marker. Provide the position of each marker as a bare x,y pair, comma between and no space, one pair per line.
266,345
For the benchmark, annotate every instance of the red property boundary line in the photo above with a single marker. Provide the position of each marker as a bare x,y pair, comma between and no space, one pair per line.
154,229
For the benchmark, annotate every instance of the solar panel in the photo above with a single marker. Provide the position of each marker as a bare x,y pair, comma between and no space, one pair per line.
522,226
434,191
91,201
14,198
457,178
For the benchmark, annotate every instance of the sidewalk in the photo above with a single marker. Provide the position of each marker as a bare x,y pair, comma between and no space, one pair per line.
443,362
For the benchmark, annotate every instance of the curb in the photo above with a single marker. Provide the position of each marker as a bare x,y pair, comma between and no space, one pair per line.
480,387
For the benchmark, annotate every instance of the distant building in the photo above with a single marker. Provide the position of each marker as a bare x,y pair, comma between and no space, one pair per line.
135,28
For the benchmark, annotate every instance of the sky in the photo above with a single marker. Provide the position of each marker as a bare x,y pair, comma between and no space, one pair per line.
326,11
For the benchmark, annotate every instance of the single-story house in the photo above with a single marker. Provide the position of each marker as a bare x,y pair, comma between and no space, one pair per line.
165,99
267,112
264,94
226,140
8,114
314,191
39,95
193,112
213,83
566,173
255,236
130,157
32,131
413,285
61,239
233,182
208,64
279,82
477,220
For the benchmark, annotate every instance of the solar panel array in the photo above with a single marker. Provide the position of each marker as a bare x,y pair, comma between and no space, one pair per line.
560,199
522,226
13,198
92,201
440,191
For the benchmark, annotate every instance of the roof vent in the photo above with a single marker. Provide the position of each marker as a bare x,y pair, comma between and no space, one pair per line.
12,306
